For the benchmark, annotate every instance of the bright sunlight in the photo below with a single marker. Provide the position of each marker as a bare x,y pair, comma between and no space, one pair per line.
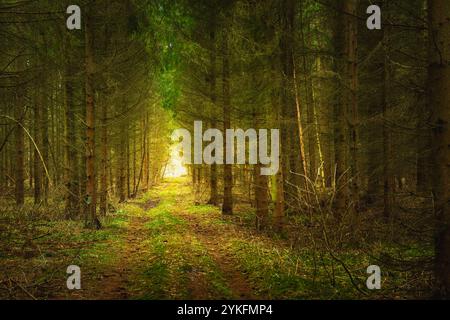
175,167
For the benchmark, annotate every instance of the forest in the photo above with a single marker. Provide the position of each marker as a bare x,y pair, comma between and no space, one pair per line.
338,186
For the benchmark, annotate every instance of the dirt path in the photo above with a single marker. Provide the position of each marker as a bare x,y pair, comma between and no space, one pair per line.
117,282
213,242
169,253
114,281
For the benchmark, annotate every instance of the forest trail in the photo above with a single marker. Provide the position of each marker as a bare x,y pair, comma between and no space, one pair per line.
212,241
168,249
116,285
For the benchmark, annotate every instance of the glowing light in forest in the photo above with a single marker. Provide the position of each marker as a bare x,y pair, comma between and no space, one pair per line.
175,167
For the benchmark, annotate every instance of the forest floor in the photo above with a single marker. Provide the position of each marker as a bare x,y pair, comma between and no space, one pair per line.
161,246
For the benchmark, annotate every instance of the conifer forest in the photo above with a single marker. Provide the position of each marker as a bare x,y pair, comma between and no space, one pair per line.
224,149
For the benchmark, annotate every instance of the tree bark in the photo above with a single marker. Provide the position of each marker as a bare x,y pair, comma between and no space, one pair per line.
121,165
346,113
388,172
214,198
19,152
439,102
45,147
351,89
227,206
91,196
71,176
38,140
104,161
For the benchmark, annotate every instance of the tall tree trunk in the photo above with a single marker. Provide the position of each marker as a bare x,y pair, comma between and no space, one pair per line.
291,146
227,206
146,161
104,142
308,85
121,165
260,187
302,157
388,172
351,88
19,146
91,196
214,198
261,192
346,106
44,102
127,155
278,179
317,132
71,176
38,139
45,148
279,200
134,163
104,160
197,184
439,102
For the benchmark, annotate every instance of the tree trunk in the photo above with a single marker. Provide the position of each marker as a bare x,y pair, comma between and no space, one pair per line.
19,152
213,199
91,197
424,156
351,89
388,172
38,139
291,146
227,206
45,143
71,176
260,187
302,157
320,172
346,106
261,198
278,179
134,164
439,102
104,161
121,165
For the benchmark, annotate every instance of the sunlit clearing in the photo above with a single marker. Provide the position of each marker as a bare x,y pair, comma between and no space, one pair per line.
175,167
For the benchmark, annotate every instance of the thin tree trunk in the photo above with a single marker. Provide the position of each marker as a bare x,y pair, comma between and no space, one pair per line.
299,126
45,143
19,152
104,161
424,155
214,198
227,206
260,186
71,176
318,142
277,191
388,172
128,164
134,163
121,164
38,139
